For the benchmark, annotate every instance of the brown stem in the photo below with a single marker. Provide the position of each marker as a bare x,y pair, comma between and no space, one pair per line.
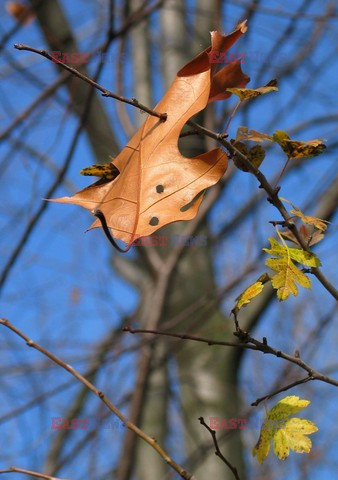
105,92
226,128
283,389
29,472
282,171
271,191
247,342
218,451
272,197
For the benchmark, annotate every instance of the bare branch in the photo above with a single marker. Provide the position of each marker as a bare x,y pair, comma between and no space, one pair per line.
29,472
246,342
283,389
43,96
274,200
218,451
105,92
151,441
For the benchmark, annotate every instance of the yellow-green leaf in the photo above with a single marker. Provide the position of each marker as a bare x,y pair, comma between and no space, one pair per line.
280,445
284,281
287,277
246,93
300,256
249,293
287,406
256,155
107,171
262,448
293,437
298,149
279,136
287,433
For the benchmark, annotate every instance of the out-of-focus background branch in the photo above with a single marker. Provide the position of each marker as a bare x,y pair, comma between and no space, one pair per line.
74,295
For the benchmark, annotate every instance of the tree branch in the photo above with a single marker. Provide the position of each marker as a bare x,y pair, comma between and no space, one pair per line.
29,472
218,451
221,138
283,389
105,92
273,199
246,342
150,440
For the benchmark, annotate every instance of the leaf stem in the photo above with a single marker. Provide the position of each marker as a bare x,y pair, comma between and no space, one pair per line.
226,128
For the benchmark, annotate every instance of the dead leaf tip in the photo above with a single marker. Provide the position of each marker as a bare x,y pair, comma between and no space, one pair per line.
242,26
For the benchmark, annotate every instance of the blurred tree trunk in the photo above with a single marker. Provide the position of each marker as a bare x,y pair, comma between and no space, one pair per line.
208,378
178,381
59,36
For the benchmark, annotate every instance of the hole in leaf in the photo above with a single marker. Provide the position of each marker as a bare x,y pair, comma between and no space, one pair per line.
190,204
154,221
160,188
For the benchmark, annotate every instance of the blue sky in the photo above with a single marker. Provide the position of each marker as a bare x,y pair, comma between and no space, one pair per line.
62,291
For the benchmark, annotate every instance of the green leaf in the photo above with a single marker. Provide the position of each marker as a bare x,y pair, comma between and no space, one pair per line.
287,406
300,256
249,293
293,437
287,433
287,277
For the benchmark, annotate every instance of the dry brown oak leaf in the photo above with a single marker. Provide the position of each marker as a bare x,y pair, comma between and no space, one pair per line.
155,180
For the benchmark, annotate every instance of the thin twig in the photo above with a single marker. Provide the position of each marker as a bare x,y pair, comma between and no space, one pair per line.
29,472
272,198
282,172
105,92
186,336
218,451
246,342
220,137
238,104
43,96
150,440
265,348
283,389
